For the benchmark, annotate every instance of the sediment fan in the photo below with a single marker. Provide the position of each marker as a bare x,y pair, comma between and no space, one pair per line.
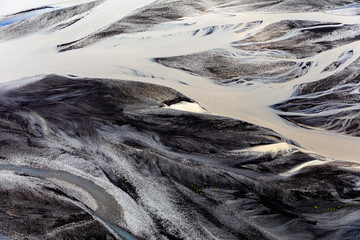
179,119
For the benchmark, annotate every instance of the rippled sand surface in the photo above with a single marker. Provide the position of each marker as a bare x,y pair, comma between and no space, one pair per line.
176,119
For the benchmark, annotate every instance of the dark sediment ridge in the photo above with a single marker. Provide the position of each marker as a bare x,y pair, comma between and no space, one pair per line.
159,12
102,159
48,21
330,103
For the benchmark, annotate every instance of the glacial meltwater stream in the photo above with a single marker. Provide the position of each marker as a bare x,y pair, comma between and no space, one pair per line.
129,57
236,119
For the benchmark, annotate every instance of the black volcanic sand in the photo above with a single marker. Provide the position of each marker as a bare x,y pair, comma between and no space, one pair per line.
312,37
156,173
162,11
225,69
49,21
338,92
268,50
